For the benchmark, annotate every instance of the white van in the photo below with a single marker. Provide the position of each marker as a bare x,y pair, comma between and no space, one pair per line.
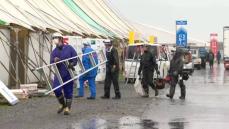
132,59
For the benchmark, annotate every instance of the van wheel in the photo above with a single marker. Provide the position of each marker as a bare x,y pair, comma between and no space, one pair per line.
129,80
133,80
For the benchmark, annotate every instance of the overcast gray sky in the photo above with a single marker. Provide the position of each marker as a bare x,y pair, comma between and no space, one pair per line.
204,16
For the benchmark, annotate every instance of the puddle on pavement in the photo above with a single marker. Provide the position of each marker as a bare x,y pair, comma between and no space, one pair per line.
94,123
131,122
128,122
149,124
178,123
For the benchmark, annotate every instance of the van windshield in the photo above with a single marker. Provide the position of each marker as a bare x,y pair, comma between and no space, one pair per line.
137,50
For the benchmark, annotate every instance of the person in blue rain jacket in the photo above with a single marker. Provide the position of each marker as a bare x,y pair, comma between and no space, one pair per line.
91,75
62,52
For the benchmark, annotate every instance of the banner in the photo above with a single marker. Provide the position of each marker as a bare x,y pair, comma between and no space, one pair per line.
131,37
214,43
151,39
181,33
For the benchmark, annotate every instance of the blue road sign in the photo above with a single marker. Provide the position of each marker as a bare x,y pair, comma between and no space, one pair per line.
181,37
181,22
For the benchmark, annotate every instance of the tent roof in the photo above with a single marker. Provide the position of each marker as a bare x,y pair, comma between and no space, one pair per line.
80,16
11,14
88,6
72,17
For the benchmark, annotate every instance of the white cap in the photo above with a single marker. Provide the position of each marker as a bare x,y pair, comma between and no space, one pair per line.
107,41
57,34
86,44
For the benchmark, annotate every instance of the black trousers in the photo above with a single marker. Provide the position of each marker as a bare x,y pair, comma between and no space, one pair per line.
174,82
147,81
111,77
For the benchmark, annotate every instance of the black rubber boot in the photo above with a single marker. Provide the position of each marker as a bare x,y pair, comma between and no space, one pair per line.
62,104
105,97
146,93
146,96
183,90
171,91
182,97
68,107
155,89
117,95
156,92
169,96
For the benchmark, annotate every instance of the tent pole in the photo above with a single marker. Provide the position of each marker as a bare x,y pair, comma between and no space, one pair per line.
16,30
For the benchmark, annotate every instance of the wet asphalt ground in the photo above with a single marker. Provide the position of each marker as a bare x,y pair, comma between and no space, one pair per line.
206,107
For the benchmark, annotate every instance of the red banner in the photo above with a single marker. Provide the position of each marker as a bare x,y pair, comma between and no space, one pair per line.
214,43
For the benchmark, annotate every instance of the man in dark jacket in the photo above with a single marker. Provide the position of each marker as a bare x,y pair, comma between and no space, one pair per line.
112,71
175,72
147,66
218,57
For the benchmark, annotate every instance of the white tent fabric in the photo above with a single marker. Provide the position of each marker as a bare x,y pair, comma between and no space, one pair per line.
29,13
36,19
56,15
49,14
68,14
10,14
107,18
89,7
5,51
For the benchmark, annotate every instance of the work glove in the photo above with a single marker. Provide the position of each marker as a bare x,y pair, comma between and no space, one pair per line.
71,66
56,59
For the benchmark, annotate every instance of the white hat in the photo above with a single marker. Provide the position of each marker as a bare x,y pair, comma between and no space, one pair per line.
86,44
57,34
107,42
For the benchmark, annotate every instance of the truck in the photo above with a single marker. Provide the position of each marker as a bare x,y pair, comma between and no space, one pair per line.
203,56
226,47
